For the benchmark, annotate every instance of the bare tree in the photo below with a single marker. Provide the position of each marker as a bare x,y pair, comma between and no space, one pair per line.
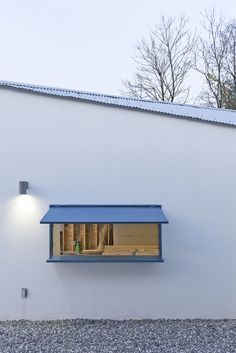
230,70
215,60
231,57
163,62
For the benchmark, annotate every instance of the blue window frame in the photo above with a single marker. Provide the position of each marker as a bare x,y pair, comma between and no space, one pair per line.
85,222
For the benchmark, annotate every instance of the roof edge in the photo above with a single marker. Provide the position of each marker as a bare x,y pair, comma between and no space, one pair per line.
68,90
200,113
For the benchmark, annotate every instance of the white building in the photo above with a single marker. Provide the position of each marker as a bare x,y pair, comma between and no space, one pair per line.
78,148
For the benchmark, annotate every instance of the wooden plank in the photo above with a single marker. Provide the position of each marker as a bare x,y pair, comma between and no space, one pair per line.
87,236
76,232
68,237
130,246
68,252
129,234
147,251
56,239
92,251
102,234
94,236
82,236
108,235
61,226
111,234
132,250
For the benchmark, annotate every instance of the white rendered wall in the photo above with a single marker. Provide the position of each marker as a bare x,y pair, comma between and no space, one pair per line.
78,153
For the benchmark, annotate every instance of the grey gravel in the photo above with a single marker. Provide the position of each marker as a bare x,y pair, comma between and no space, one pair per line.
129,336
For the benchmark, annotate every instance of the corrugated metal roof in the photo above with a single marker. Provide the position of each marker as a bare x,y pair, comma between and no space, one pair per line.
213,115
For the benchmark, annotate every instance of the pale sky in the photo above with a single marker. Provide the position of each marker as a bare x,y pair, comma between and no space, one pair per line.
84,44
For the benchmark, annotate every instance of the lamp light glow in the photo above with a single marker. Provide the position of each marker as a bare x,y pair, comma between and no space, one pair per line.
23,187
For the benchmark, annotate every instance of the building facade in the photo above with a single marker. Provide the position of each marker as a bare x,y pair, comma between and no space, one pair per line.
85,149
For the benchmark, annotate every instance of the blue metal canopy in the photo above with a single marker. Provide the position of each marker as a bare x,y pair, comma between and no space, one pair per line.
104,214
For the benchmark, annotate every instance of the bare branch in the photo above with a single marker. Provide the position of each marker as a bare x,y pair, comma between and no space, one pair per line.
215,60
163,62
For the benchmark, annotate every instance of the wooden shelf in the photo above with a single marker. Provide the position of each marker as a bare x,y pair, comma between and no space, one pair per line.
91,252
68,252
131,250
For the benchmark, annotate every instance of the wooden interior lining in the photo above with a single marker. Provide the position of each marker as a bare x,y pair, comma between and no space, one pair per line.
97,239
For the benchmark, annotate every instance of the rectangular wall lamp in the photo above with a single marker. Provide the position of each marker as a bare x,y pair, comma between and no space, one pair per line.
23,187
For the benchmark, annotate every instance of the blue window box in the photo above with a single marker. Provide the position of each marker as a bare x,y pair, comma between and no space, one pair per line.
105,233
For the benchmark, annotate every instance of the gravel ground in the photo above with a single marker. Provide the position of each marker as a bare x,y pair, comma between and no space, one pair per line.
129,336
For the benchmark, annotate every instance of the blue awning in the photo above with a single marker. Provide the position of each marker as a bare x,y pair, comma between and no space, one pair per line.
104,214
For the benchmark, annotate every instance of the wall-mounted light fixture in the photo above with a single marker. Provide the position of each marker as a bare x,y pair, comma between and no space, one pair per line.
24,292
23,187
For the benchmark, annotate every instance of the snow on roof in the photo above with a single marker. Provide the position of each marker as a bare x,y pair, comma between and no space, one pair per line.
213,115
